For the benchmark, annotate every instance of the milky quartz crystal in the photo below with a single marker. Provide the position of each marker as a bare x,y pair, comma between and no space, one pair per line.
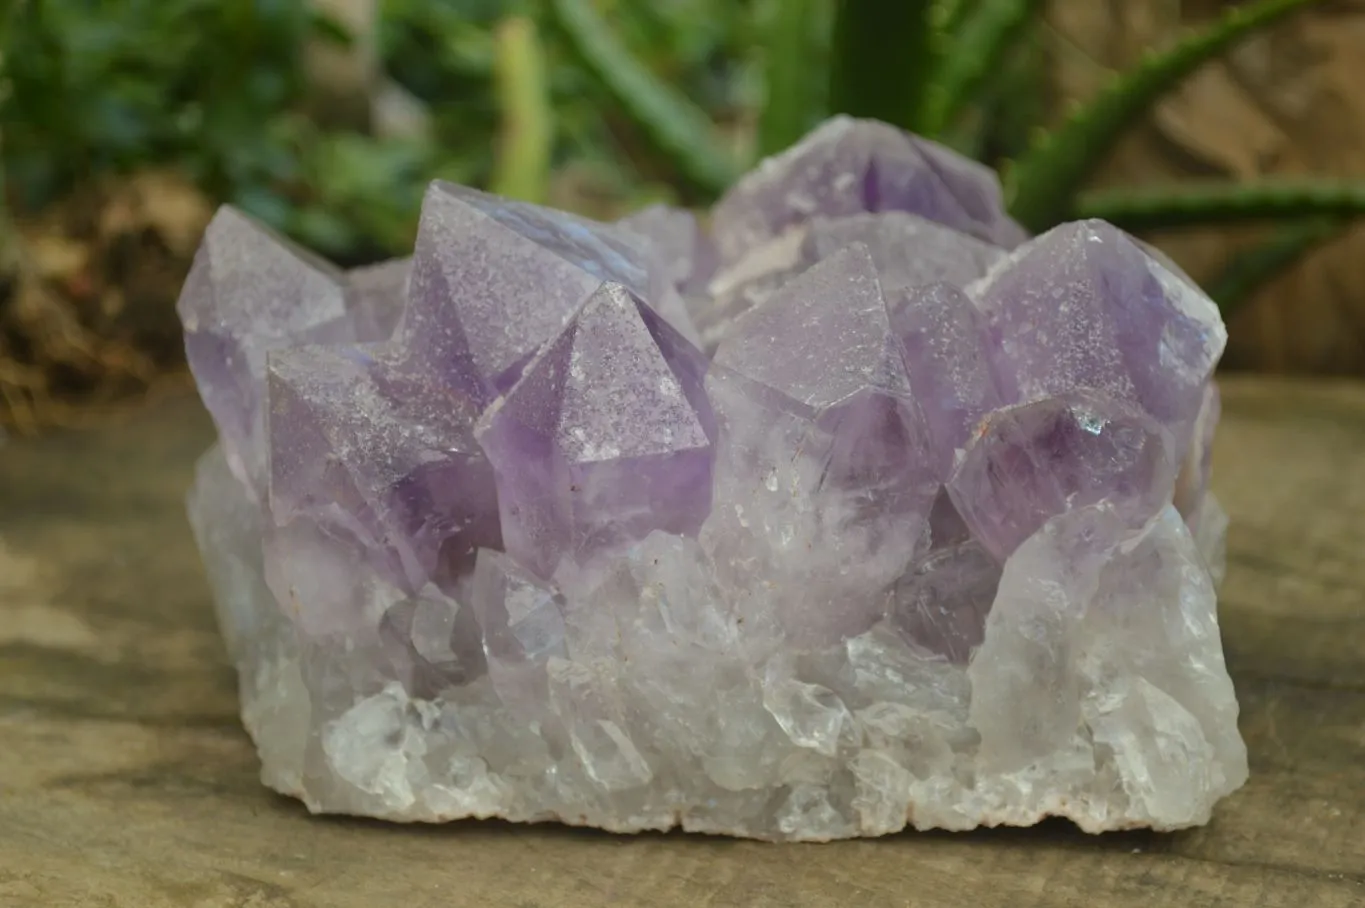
859,509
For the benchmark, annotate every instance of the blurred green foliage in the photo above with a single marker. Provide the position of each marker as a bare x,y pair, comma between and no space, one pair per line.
595,104
213,88
98,86
219,89
968,73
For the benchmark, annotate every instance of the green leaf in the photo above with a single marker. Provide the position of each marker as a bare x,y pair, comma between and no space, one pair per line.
329,29
523,165
1253,268
790,77
677,126
882,57
1207,204
1042,185
1015,101
950,14
973,52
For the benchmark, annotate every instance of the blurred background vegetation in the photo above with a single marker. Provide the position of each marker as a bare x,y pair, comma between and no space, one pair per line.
221,91
123,123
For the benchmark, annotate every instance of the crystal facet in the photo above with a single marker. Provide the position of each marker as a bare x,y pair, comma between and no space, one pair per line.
857,509
822,451
1031,462
605,437
940,254
250,291
1084,305
848,167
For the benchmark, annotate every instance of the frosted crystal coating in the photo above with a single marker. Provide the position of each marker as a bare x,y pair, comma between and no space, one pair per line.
605,437
248,292
941,254
856,510
1085,306
847,167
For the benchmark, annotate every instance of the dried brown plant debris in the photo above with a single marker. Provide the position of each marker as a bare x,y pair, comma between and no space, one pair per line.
87,305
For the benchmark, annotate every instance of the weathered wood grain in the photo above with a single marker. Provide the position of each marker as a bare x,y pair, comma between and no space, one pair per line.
125,779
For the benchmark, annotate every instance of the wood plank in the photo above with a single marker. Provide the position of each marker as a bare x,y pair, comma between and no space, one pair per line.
125,779
1290,464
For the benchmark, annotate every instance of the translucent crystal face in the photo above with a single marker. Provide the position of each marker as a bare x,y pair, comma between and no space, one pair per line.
605,437
854,509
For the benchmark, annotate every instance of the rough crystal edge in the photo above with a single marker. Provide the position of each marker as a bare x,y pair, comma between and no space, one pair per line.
278,712
1090,813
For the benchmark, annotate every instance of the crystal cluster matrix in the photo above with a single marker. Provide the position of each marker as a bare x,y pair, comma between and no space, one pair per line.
857,509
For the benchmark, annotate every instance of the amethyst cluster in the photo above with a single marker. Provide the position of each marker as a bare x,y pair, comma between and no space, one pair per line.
857,508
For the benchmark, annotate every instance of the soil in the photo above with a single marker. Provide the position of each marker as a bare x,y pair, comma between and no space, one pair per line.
87,307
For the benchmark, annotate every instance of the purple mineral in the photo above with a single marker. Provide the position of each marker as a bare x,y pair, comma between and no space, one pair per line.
823,450
1084,306
493,279
605,437
250,291
840,507
1031,462
848,167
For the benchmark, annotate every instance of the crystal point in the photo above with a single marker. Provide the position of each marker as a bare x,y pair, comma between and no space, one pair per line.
389,465
251,291
840,508
605,437
493,279
1031,462
1085,306
821,447
850,166
941,255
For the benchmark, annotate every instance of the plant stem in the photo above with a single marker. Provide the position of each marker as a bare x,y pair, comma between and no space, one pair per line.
881,59
973,52
1200,205
523,166
672,122
790,76
1253,268
1042,185
952,13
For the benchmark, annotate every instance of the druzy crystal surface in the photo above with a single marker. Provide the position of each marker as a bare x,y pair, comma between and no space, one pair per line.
856,509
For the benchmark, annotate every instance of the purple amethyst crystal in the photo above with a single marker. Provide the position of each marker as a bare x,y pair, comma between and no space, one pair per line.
1031,462
1084,306
605,437
941,254
251,291
850,511
822,449
848,167
379,292
678,240
942,602
947,358
493,279
386,461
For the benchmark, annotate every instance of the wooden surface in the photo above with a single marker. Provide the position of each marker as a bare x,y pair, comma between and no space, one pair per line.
125,779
